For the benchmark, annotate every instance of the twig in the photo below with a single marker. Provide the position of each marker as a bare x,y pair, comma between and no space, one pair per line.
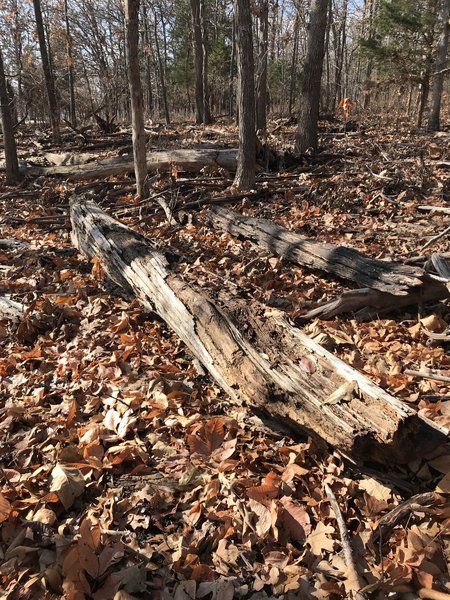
431,208
432,594
353,575
417,502
435,238
425,375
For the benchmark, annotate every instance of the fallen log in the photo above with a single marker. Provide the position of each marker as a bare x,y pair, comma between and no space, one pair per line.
181,160
347,263
260,362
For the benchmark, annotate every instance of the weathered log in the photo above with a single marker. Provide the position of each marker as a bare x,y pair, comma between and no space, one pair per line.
182,160
347,263
258,361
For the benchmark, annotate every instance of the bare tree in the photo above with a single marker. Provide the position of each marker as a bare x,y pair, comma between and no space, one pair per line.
440,64
9,142
48,74
71,73
245,174
137,103
306,135
261,70
202,112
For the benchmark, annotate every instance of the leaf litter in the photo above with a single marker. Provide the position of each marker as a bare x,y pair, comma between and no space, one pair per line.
125,473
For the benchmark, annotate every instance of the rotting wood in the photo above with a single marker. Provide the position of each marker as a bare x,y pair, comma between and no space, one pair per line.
11,310
347,263
369,303
258,361
182,160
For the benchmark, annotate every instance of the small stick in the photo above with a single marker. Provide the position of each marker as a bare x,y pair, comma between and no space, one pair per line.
438,209
435,238
424,375
432,594
393,517
353,574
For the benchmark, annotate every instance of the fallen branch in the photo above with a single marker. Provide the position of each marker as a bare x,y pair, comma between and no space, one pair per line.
354,579
438,209
393,517
427,375
261,362
435,238
368,303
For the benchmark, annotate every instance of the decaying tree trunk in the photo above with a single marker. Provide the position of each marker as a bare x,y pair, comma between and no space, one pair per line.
344,262
190,161
261,362
387,285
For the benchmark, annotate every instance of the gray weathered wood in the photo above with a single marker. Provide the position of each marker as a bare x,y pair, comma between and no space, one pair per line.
183,160
348,263
269,367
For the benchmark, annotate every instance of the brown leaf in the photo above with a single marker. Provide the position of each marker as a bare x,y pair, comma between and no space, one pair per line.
208,438
267,491
68,483
295,519
5,508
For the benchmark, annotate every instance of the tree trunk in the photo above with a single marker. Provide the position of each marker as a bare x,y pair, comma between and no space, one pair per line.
162,74
191,161
245,174
261,71
206,106
347,263
293,74
137,103
9,142
440,64
261,362
306,136
48,75
72,111
197,43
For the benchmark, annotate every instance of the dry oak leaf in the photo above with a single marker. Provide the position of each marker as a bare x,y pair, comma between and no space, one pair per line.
375,488
208,438
319,540
5,508
267,491
295,519
443,487
68,483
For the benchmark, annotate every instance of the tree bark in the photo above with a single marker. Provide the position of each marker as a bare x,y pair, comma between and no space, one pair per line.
12,174
347,263
48,74
200,50
137,103
263,363
261,71
306,135
162,73
71,72
190,161
245,174
439,67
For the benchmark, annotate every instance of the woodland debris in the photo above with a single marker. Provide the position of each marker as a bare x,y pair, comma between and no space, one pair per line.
260,362
369,303
347,263
177,160
11,310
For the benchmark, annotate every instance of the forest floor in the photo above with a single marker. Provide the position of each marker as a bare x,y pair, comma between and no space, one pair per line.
126,472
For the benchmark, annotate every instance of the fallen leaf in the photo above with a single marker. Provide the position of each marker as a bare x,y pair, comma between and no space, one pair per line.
68,483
